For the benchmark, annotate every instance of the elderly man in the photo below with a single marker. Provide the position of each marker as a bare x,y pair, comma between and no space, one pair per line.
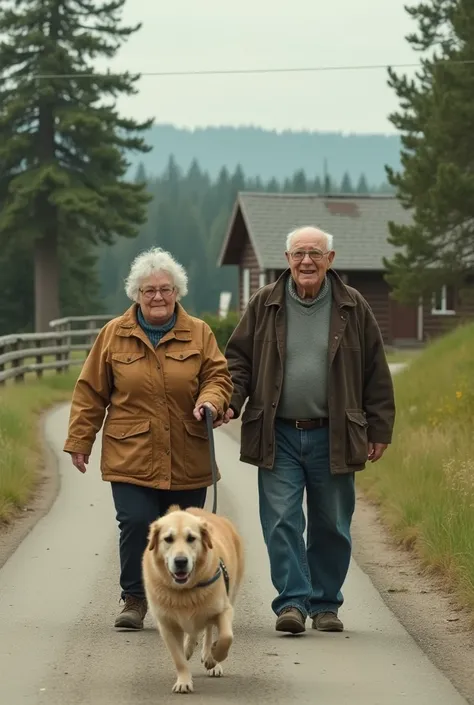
309,358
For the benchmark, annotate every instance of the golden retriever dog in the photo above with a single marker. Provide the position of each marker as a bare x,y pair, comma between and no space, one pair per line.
192,570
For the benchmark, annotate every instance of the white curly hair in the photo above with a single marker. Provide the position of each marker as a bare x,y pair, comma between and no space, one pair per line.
151,262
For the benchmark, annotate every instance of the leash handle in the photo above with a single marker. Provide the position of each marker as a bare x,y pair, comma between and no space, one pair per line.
212,450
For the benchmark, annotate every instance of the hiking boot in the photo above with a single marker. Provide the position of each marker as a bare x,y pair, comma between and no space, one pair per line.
290,620
327,622
132,614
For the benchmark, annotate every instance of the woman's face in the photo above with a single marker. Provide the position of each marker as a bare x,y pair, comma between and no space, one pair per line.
157,298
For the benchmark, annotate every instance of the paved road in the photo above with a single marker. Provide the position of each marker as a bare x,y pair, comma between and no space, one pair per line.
59,596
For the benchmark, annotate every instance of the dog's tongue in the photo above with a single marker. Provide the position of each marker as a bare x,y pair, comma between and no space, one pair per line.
181,576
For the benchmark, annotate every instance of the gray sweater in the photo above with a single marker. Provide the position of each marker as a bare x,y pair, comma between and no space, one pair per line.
304,390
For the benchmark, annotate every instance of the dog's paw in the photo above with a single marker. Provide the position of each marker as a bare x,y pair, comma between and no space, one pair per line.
216,672
183,685
208,661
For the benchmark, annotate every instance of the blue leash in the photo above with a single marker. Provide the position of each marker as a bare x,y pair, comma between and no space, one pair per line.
212,450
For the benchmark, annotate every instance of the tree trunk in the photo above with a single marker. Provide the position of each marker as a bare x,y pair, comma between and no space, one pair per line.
46,246
46,281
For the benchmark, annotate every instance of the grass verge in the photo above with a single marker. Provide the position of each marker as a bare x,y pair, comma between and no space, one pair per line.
424,485
402,355
20,442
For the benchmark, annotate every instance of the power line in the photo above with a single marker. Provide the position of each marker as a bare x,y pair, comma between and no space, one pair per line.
228,72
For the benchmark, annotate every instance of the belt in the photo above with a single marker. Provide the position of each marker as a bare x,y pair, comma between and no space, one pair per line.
306,424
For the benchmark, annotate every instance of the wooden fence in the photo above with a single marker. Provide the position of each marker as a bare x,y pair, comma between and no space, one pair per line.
24,353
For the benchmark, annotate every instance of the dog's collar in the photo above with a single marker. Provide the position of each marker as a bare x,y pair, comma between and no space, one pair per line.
221,570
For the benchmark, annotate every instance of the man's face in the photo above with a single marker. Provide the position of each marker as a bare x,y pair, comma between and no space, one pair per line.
309,261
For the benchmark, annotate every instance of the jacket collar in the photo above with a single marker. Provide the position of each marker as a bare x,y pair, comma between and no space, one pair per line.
128,324
340,292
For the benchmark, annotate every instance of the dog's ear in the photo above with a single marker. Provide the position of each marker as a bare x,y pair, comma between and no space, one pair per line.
153,536
205,535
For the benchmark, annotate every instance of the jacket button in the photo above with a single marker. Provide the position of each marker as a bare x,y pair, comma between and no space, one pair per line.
336,337
167,428
181,356
123,433
274,404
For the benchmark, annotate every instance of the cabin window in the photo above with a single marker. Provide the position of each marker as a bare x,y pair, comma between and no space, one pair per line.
442,303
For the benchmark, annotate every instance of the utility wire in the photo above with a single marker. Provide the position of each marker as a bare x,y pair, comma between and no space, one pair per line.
228,72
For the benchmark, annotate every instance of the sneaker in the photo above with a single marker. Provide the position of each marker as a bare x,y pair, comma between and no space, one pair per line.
290,620
132,614
327,622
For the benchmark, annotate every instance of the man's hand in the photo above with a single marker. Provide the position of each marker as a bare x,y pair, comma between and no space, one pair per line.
229,414
376,450
199,412
79,460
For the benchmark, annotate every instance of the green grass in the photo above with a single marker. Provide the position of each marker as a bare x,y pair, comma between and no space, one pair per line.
400,355
424,485
20,444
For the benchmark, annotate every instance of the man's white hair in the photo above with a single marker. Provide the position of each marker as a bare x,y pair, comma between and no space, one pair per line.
151,262
291,236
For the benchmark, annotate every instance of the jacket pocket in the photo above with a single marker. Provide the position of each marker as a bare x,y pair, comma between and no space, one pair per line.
127,447
357,440
197,458
127,358
251,434
182,364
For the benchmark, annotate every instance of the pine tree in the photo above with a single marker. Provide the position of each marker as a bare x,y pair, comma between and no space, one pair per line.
346,184
272,186
62,142
299,182
316,186
362,185
435,118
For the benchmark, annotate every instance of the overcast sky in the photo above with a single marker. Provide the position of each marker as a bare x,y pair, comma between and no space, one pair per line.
214,34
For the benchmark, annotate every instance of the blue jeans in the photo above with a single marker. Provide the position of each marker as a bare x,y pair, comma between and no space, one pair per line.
309,577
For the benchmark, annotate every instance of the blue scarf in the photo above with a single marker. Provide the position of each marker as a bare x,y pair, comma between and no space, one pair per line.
155,333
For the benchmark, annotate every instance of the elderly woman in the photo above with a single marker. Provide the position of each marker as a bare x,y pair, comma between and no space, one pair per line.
153,369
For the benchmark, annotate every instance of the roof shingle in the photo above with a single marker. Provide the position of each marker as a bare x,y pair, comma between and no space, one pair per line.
359,225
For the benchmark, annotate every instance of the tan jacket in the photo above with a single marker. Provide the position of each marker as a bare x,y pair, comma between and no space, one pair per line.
361,395
150,436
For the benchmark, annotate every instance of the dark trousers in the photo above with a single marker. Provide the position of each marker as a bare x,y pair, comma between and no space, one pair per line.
136,508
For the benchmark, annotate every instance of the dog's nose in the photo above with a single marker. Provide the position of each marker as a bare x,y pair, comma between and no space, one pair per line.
181,562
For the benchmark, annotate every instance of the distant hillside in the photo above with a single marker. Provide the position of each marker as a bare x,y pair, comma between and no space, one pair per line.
269,154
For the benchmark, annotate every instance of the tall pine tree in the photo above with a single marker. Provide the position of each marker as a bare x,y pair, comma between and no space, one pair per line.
436,119
346,184
62,141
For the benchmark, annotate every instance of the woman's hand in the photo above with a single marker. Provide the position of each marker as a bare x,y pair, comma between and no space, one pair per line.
79,460
199,411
